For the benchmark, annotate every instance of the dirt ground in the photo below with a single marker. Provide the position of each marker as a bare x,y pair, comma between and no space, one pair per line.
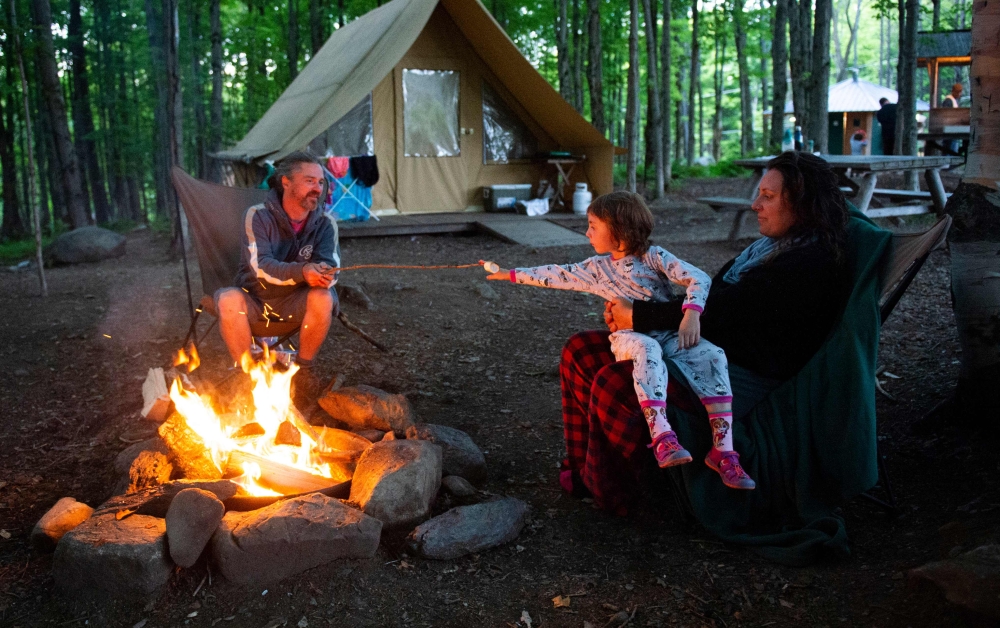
482,359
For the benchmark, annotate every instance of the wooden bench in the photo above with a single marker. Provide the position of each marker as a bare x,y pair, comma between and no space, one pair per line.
729,203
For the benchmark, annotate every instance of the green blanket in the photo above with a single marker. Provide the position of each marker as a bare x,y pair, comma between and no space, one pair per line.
810,444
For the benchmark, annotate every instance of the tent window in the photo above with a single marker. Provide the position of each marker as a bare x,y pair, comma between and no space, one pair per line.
430,113
505,135
352,135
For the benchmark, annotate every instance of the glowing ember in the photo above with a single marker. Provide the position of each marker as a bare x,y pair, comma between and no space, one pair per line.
272,407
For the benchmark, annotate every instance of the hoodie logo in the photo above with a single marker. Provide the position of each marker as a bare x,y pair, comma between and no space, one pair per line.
306,252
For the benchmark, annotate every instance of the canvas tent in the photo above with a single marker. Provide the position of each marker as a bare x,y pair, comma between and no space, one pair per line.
440,95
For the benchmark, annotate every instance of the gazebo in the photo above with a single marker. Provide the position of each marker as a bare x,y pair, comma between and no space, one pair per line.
852,105
935,51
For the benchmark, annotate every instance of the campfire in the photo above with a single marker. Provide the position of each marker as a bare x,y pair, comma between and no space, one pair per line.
268,450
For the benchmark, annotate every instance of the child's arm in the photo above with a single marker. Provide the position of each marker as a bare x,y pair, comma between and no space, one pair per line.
581,277
695,280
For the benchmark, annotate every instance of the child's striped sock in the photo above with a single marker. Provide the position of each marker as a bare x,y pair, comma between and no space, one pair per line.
722,432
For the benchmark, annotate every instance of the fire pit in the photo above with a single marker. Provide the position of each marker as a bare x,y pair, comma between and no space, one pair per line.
262,493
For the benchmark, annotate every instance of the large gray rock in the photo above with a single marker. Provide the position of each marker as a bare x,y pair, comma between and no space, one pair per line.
105,557
291,536
461,456
193,516
469,529
87,244
458,486
396,481
60,519
156,500
364,407
970,580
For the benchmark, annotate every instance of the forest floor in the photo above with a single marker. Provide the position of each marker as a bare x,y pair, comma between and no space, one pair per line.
486,364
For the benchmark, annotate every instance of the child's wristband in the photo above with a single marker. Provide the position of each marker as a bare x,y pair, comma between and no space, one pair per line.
513,276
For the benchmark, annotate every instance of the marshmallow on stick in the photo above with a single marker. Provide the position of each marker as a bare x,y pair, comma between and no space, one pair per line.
491,267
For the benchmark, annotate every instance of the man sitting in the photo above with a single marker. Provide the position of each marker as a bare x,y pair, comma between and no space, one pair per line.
287,266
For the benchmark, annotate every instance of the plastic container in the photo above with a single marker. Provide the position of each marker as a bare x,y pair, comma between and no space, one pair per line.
504,198
581,199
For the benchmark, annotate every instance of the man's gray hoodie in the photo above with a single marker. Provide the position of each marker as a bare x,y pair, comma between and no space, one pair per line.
273,256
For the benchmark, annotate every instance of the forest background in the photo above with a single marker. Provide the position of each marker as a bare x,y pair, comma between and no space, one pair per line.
115,91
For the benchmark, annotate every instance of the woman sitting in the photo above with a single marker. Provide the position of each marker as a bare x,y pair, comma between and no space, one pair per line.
771,308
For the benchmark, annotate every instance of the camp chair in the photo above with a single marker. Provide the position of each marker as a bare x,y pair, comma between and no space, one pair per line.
907,255
215,213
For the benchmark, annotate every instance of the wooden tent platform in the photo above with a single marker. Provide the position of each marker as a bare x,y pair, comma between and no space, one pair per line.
542,231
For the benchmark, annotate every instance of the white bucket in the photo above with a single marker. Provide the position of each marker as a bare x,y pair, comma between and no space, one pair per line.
581,199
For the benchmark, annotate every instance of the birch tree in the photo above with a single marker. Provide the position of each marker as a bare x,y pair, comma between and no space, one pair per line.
975,234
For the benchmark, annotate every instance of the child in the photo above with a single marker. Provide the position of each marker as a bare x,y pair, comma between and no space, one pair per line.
620,225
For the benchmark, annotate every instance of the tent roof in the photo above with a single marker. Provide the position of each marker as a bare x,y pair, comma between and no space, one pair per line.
359,55
855,94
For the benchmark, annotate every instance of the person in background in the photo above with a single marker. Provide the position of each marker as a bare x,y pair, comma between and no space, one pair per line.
886,116
951,100
859,141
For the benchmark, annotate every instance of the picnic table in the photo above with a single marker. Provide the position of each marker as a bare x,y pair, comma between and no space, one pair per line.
860,185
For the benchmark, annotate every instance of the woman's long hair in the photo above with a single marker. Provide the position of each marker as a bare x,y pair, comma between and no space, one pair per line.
814,195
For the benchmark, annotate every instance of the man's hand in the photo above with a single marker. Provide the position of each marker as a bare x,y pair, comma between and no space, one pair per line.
618,314
318,275
689,331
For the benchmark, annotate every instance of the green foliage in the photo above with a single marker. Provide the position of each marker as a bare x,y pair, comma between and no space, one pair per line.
14,251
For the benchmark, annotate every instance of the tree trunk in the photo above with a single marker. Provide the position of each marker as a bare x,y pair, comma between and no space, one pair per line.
83,117
718,81
175,116
340,16
12,226
765,131
36,219
665,87
655,119
293,38
800,58
315,24
746,100
595,69
681,146
155,27
819,83
562,50
632,103
975,235
577,57
194,36
937,14
77,205
906,112
215,134
695,81
844,61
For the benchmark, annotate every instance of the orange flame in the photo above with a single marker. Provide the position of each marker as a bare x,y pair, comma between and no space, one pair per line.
191,359
272,406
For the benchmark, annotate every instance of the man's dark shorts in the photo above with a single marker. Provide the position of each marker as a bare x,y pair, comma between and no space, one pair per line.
290,308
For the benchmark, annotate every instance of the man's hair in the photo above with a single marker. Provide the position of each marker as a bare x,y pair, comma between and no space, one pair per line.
627,217
957,87
287,166
883,100
813,193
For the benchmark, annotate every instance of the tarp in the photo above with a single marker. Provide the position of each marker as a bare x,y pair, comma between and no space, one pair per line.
810,444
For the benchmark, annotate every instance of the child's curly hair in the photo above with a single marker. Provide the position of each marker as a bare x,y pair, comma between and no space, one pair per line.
628,218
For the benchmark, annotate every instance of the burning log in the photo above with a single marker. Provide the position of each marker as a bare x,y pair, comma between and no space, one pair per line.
277,476
288,435
249,430
190,452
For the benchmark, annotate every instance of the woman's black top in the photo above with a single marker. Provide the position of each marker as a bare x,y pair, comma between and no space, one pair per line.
773,319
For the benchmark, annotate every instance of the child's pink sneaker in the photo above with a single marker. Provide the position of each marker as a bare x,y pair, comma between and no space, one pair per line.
668,451
727,465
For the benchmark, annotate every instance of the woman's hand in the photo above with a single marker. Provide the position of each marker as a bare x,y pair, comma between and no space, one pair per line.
689,331
618,314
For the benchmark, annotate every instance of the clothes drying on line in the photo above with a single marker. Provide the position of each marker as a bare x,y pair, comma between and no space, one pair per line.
350,199
338,166
364,168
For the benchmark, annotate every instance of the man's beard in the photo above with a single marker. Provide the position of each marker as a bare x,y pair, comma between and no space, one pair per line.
309,202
